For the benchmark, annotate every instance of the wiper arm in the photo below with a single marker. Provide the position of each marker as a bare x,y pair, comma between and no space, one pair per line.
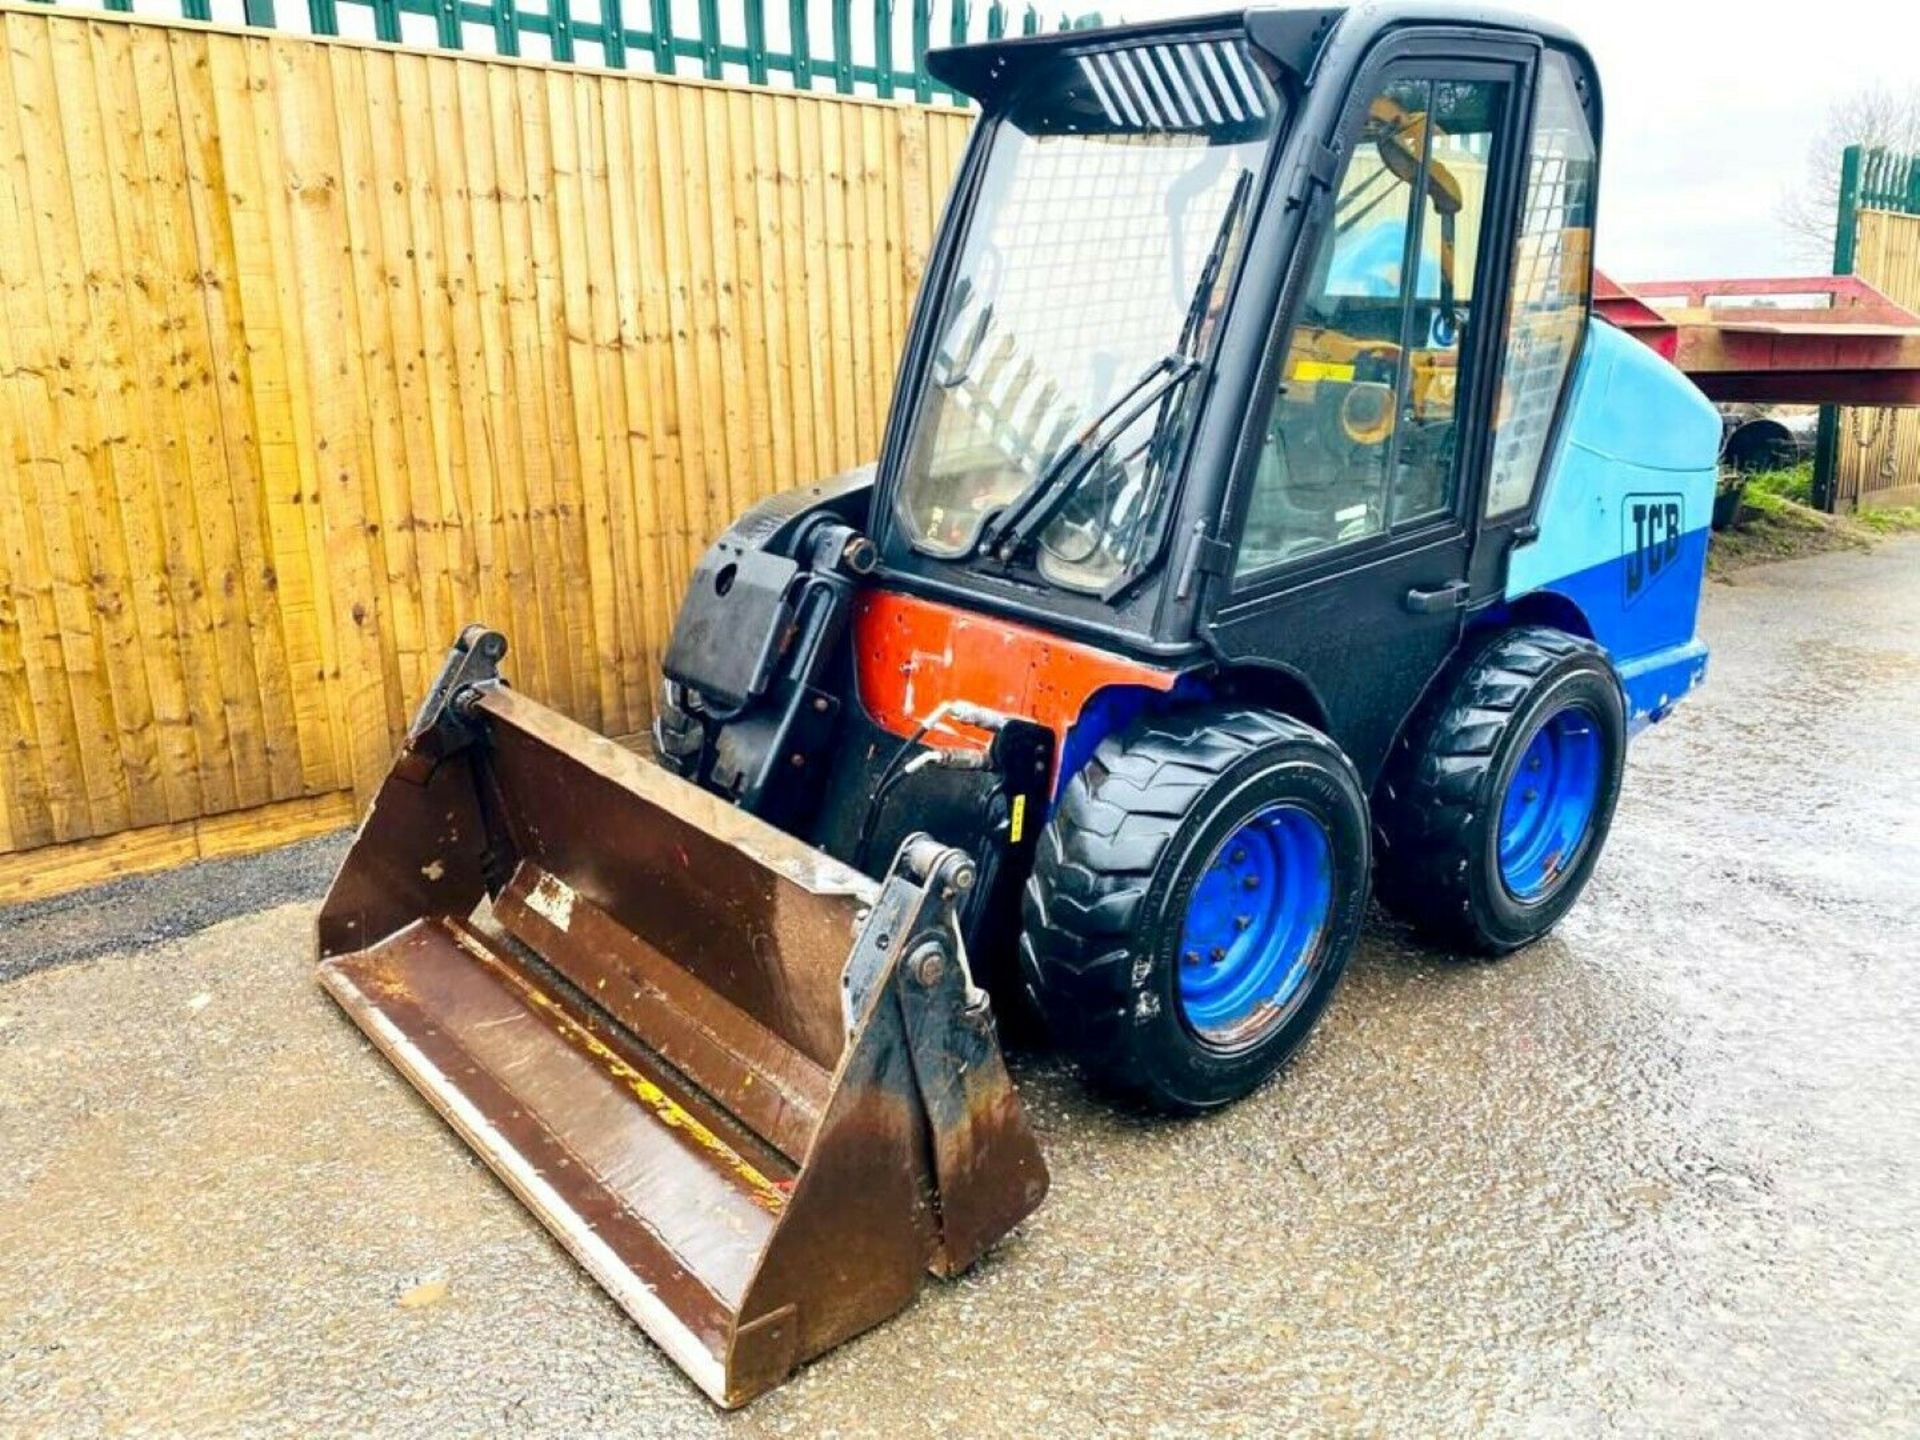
1210,272
1165,439
1034,508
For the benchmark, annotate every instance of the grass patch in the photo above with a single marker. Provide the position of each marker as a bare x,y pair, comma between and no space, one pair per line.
1900,520
1777,523
1794,483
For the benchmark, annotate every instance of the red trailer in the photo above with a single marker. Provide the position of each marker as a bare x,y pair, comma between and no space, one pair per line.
1817,340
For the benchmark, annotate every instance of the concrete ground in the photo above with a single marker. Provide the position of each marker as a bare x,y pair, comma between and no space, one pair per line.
1659,1173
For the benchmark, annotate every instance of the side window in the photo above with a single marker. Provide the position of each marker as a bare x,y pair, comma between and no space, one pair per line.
1552,280
1361,436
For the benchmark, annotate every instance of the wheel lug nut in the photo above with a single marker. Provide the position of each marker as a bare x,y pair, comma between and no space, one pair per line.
1531,795
1242,922
1252,882
1238,857
1218,954
1192,957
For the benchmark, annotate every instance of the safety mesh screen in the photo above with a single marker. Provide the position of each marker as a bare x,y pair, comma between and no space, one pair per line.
1551,279
1109,183
1100,289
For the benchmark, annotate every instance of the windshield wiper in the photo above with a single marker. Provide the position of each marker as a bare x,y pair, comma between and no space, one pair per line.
1216,258
1034,508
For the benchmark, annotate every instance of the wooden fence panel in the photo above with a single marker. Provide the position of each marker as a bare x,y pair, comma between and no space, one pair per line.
311,351
1877,452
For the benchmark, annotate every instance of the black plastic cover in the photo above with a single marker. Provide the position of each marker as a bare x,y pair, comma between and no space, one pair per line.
732,625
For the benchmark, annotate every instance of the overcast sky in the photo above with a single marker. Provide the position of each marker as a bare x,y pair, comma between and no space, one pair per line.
1710,107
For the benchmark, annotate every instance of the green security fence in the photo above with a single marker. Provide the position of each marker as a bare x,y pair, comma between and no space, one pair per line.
1870,179
691,37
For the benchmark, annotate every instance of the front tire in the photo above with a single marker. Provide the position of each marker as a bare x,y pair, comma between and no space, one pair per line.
1498,802
1194,902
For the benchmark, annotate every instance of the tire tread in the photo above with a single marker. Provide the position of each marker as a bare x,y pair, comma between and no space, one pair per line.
1439,777
1095,870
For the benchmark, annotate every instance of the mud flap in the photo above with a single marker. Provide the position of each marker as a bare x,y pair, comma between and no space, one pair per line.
753,1092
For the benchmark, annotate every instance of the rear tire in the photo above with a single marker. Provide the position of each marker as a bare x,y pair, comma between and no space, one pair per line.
1194,902
1498,801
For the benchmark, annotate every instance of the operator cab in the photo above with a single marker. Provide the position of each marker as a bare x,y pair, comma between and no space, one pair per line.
1245,339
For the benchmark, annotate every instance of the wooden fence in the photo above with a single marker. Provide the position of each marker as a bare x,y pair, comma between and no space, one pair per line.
840,45
1876,453
312,351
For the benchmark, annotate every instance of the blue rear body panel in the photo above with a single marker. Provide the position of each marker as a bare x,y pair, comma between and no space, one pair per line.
1624,518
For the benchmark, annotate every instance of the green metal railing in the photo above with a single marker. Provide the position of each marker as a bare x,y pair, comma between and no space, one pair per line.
1888,181
655,34
1870,179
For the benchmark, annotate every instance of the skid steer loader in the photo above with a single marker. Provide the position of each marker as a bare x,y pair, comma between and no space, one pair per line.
1262,521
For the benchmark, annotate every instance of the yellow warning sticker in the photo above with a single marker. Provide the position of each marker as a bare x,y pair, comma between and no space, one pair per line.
1322,370
1018,824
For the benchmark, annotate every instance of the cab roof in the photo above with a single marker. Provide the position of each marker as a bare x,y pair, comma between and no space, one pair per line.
1291,36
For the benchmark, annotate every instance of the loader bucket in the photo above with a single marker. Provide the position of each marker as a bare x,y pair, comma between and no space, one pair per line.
752,1091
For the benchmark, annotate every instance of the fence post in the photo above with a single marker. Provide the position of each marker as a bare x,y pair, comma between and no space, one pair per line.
802,44
922,42
613,34
843,46
664,62
710,63
506,27
560,30
1846,234
756,16
959,21
883,48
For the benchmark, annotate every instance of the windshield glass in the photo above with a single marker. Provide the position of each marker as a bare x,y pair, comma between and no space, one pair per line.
1102,243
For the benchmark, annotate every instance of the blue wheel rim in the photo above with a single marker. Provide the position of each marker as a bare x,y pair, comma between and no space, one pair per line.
1549,806
1253,926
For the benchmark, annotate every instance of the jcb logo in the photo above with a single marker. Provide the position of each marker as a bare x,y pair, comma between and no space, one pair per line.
1653,527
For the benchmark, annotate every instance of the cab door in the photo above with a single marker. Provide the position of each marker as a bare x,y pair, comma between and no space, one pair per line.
1358,478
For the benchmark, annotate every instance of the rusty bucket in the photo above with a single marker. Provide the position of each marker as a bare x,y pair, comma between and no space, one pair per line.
752,1091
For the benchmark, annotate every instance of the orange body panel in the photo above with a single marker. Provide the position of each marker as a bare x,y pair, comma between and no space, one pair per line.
916,653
